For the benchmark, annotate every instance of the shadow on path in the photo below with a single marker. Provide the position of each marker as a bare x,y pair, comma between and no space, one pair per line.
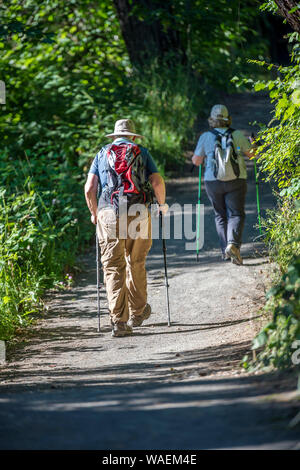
108,410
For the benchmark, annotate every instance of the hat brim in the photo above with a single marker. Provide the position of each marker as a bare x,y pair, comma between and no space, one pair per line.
124,133
220,118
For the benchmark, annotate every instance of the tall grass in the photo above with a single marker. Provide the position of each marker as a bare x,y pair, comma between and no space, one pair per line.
40,212
283,232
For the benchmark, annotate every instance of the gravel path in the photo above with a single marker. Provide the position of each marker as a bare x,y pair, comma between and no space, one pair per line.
180,387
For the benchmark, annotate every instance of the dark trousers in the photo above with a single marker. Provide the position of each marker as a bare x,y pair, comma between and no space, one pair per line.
228,201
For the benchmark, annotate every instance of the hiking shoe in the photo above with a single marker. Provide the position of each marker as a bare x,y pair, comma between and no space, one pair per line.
234,252
137,320
120,329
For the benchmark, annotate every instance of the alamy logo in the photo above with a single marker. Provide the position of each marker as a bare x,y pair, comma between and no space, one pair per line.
180,223
296,354
2,92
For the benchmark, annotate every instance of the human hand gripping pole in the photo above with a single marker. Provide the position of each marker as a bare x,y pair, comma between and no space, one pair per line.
165,265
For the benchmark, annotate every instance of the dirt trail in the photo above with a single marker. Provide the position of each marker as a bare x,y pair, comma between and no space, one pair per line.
69,387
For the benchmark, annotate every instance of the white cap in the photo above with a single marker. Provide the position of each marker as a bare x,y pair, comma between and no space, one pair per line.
219,111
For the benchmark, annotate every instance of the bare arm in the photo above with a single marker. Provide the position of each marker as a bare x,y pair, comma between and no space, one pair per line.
158,186
90,190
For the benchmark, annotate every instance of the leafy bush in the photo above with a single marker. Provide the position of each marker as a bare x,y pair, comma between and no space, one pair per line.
279,149
282,227
40,215
278,338
279,160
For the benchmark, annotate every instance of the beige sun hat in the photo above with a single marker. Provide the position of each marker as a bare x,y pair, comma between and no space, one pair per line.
219,111
124,127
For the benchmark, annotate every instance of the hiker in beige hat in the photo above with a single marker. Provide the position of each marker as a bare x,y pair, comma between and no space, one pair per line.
225,177
127,174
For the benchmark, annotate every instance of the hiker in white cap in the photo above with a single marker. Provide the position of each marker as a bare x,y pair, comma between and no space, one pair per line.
225,178
127,175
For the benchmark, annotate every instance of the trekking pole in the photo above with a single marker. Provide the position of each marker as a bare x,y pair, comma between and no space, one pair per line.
257,193
257,197
198,213
98,279
165,263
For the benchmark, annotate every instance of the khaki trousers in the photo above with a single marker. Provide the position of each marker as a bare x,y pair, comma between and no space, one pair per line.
123,261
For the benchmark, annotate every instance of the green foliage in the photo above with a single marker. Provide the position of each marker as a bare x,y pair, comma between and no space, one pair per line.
282,227
276,340
165,106
279,149
269,5
216,37
58,94
41,211
64,94
278,159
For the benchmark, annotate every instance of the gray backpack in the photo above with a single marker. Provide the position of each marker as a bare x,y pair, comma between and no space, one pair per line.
226,166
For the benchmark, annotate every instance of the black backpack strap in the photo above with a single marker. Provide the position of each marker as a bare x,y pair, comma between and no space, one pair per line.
213,131
230,130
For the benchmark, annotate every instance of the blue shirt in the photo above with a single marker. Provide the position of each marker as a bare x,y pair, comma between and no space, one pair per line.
206,148
98,166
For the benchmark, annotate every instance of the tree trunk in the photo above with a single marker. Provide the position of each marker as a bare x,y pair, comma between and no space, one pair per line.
284,7
147,39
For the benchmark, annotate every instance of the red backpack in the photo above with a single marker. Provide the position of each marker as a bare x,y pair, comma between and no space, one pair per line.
126,175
